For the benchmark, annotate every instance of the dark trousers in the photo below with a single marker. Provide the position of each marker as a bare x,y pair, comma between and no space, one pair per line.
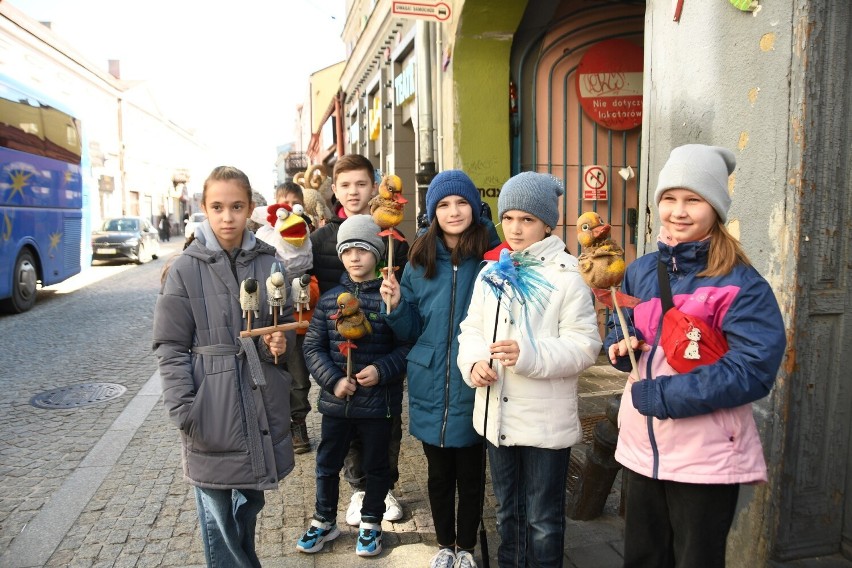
454,470
374,434
670,524
353,471
300,388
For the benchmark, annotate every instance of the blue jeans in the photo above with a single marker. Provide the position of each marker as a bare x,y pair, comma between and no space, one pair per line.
375,434
529,484
228,519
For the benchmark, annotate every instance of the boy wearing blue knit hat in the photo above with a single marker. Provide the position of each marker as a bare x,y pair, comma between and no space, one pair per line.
530,331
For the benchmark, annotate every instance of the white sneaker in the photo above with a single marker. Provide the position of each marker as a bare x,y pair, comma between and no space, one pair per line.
393,510
464,559
444,559
353,513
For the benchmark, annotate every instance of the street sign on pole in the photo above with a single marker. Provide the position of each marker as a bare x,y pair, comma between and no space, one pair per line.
439,11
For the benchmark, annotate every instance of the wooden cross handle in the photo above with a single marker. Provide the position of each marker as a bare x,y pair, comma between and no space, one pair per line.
274,328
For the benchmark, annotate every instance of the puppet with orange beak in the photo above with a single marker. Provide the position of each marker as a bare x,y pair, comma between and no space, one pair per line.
286,230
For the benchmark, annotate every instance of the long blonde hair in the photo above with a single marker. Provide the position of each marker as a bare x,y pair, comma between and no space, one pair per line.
725,252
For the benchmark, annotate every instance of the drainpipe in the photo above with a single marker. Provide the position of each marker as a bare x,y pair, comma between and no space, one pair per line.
425,122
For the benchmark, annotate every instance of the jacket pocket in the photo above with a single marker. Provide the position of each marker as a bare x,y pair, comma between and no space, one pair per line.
421,355
216,420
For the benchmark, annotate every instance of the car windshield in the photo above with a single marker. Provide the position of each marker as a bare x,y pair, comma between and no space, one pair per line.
121,225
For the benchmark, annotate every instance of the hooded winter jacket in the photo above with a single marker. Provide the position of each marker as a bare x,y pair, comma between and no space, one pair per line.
429,313
698,427
380,348
234,433
534,402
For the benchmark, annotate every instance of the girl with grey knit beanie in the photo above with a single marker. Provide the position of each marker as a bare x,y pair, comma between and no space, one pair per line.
687,436
530,331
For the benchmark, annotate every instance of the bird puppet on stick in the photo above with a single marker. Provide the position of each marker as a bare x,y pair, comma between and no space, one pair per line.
602,267
351,324
387,209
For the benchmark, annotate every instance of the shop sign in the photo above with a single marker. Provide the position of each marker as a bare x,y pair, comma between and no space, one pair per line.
594,183
403,85
609,84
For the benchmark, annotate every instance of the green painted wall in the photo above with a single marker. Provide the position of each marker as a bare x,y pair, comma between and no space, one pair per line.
481,54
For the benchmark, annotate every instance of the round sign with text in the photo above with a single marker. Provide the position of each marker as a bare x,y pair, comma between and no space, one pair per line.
609,84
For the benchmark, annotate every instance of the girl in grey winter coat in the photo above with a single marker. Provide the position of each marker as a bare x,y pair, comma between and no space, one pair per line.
234,422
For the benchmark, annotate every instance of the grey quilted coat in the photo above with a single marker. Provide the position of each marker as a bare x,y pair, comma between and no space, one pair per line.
235,431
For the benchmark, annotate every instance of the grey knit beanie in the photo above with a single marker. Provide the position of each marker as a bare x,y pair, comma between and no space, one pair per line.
362,232
702,169
452,182
534,193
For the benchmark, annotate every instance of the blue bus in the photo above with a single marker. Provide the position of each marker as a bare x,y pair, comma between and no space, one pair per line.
41,194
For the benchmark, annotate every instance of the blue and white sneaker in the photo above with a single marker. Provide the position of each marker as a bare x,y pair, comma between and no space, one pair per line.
317,535
369,539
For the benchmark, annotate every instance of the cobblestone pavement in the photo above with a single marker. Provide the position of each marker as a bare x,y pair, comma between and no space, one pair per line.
101,485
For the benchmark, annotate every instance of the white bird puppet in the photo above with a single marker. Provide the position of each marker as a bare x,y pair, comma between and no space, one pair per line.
284,228
249,300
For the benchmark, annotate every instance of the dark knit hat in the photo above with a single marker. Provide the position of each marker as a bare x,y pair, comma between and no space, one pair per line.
702,169
452,182
535,193
362,232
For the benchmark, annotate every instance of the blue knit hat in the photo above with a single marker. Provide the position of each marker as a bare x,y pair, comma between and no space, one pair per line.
535,193
701,169
452,182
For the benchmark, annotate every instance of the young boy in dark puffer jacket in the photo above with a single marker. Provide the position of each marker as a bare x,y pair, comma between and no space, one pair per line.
362,403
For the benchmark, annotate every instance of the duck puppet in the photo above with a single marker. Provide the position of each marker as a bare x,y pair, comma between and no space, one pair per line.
602,260
387,209
602,266
351,324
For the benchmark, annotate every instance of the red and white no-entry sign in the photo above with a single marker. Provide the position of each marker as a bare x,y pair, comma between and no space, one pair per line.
594,183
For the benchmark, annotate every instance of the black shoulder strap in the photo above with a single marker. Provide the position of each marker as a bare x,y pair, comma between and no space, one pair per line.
665,287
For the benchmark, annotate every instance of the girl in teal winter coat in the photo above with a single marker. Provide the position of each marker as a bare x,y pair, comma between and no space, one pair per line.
427,307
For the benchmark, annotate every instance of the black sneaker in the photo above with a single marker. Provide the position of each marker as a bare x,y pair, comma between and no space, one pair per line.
299,431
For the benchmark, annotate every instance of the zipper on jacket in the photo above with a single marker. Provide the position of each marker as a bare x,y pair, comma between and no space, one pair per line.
649,420
449,351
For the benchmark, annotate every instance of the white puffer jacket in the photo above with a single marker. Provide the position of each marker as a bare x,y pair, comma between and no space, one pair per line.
533,403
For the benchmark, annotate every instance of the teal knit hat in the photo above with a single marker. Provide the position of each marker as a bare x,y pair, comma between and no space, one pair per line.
535,193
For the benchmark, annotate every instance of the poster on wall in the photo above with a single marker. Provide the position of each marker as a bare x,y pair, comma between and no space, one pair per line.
609,84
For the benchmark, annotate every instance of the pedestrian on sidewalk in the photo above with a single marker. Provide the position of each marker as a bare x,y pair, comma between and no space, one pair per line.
357,401
427,307
234,424
354,184
530,331
688,438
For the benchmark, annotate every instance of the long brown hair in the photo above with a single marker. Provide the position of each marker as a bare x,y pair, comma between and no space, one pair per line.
473,242
725,252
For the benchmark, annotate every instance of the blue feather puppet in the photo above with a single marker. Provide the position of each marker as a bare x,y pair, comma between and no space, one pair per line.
514,278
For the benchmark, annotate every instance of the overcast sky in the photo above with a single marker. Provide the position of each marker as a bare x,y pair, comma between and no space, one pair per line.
233,71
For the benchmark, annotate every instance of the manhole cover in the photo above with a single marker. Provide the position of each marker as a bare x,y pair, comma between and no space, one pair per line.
77,395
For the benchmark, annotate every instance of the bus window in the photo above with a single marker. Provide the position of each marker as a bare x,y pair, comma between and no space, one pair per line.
20,122
62,140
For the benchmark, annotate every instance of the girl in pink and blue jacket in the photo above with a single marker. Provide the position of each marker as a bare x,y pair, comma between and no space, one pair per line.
688,440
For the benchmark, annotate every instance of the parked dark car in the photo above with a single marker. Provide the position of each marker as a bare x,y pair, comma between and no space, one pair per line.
126,238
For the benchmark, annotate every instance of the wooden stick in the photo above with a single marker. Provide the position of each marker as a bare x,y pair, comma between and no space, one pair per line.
625,331
275,324
349,369
273,328
389,267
